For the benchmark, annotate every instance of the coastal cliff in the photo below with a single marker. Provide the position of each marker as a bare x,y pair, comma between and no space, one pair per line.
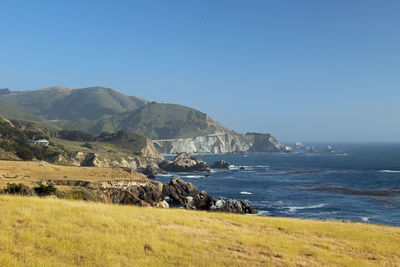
226,142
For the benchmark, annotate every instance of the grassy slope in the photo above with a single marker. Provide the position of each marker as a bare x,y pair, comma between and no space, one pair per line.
43,232
12,112
30,172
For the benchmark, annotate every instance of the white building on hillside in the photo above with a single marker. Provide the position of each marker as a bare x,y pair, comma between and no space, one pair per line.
42,142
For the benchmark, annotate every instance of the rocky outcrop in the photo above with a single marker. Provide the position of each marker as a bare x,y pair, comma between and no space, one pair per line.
329,149
178,190
222,164
203,201
233,206
181,192
226,142
215,143
149,150
92,160
139,193
265,143
183,162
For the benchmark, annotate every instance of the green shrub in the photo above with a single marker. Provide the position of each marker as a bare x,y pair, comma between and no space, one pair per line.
18,189
24,153
81,193
75,135
87,145
45,190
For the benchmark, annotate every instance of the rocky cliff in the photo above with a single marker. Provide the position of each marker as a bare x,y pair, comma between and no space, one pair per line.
227,142
214,143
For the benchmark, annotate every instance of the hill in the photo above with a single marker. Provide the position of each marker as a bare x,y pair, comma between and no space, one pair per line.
12,112
63,103
43,232
161,121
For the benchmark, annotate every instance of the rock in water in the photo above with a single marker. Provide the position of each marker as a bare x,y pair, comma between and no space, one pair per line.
312,149
329,149
222,164
183,162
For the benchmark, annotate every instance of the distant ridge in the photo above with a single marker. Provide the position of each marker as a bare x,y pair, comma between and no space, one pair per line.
60,102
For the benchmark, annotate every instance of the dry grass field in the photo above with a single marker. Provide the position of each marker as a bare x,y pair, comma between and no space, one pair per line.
29,172
54,232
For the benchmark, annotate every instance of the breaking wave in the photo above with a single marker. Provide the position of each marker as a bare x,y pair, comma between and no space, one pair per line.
294,209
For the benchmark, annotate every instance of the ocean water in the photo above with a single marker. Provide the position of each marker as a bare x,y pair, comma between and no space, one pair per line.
358,182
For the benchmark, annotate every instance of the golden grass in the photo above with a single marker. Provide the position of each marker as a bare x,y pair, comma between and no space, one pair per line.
53,232
29,172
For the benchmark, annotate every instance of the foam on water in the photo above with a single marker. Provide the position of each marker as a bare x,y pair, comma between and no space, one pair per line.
193,176
246,193
294,209
364,219
390,171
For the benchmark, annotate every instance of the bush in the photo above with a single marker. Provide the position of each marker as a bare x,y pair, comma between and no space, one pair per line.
18,189
75,135
24,153
87,145
81,193
45,190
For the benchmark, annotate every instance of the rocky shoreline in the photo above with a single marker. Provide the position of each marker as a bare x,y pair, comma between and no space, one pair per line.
145,192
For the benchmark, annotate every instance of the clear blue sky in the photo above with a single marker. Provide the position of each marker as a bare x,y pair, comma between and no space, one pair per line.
302,70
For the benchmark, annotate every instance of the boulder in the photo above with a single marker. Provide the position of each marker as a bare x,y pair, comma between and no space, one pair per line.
222,164
233,206
202,201
178,190
183,162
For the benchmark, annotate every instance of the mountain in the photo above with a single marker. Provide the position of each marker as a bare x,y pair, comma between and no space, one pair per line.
175,128
63,103
162,121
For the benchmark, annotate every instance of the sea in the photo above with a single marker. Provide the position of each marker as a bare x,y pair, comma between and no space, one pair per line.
357,182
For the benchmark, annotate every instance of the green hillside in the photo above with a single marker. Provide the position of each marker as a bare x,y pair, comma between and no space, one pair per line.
72,104
93,103
12,112
161,121
37,102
